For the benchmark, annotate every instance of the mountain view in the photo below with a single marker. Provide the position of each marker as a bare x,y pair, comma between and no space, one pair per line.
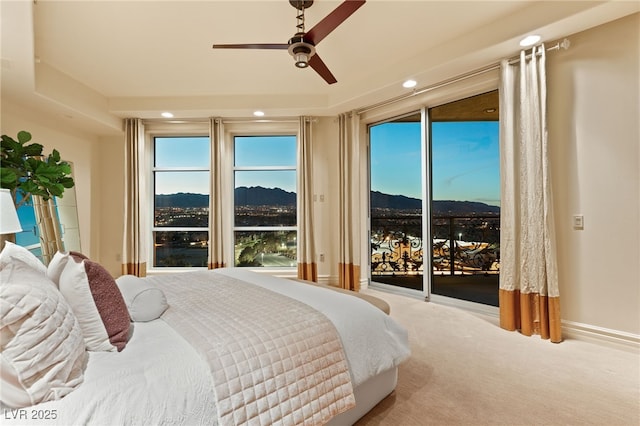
259,196
400,202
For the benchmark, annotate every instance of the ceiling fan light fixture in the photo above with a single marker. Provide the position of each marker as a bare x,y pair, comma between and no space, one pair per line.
302,60
301,52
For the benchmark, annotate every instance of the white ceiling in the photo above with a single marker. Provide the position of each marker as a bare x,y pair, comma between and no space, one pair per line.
95,62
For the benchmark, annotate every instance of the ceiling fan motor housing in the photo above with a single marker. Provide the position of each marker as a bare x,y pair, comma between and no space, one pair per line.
301,50
301,4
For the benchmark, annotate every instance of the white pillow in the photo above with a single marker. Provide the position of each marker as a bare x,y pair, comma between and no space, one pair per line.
43,352
57,264
144,301
12,252
97,303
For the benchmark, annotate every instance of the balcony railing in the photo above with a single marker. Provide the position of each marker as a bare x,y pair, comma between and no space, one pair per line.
461,245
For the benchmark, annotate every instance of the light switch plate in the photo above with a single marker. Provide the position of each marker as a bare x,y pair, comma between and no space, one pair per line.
578,221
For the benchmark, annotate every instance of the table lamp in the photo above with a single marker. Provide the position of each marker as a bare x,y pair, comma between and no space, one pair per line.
9,222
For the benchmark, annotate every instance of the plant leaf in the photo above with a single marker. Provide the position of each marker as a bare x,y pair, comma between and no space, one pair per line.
24,137
33,150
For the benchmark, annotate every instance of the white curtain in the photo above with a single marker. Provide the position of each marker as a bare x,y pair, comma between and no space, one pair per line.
216,224
349,231
529,296
307,266
134,251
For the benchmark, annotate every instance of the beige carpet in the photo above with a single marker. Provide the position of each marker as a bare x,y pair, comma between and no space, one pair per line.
464,370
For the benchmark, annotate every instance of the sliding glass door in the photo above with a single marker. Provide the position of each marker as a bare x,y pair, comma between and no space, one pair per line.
465,193
449,156
396,214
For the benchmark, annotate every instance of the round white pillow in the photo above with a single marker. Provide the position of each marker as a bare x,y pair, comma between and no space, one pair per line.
144,301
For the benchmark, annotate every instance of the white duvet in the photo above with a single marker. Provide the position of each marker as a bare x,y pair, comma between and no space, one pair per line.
160,379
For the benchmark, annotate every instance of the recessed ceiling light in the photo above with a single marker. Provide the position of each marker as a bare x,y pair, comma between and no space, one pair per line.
409,84
258,113
167,115
529,40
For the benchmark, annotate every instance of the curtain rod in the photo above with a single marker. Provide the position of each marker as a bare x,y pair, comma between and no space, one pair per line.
224,120
258,120
564,44
175,120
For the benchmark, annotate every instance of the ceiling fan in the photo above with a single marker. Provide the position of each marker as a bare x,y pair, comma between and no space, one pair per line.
302,46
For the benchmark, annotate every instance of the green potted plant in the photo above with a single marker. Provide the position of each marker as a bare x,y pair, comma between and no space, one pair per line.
25,170
31,176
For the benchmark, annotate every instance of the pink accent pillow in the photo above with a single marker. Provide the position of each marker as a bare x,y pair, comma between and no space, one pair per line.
97,303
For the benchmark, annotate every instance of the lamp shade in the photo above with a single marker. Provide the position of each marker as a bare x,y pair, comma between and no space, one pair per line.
9,222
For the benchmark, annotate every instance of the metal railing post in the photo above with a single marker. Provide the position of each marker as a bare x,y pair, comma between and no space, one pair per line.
452,248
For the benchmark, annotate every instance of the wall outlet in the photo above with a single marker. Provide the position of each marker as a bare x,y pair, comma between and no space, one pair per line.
578,221
321,257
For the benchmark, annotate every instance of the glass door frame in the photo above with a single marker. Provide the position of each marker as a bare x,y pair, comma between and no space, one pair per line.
425,175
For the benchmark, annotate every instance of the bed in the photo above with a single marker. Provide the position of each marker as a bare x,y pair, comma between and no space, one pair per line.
226,346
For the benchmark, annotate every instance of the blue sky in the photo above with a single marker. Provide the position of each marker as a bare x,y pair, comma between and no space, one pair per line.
465,165
465,160
250,151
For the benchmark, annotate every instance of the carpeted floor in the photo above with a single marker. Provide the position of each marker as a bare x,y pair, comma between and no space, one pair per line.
464,370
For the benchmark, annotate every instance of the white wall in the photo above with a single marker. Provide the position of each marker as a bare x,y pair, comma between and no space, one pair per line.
74,146
325,167
110,228
594,137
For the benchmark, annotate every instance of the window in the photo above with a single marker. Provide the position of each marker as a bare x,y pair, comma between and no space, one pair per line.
181,192
265,217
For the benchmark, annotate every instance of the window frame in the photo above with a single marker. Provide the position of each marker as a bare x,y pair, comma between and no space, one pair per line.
232,128
169,130
272,130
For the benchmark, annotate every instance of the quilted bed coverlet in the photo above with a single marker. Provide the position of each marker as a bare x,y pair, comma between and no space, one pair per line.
273,359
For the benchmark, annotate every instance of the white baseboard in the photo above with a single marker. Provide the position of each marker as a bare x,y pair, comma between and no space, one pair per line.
600,335
325,279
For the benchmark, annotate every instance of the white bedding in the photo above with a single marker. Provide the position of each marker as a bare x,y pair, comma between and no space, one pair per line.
160,379
372,341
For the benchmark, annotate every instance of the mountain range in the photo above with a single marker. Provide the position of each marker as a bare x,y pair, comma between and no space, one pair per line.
259,196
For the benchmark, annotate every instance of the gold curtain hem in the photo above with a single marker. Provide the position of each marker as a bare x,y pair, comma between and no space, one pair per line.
531,314
349,276
308,271
137,269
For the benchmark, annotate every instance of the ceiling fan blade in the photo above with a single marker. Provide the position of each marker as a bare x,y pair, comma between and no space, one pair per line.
332,20
319,66
279,46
